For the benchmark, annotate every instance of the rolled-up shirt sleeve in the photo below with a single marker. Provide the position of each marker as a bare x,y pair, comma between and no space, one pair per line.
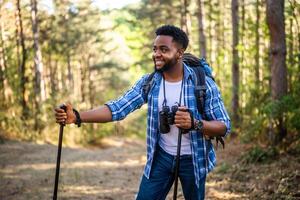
214,108
128,102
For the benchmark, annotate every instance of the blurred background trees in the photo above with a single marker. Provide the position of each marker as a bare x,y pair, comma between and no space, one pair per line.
57,51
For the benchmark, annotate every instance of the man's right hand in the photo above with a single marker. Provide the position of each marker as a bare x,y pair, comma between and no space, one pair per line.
63,117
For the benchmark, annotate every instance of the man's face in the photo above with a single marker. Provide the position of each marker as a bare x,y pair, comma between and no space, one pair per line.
165,53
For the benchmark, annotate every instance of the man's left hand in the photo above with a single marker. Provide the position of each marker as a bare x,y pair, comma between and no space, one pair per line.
183,118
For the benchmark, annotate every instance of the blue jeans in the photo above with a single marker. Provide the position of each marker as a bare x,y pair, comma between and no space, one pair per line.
162,178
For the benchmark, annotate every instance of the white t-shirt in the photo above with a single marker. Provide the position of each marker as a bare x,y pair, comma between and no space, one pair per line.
168,141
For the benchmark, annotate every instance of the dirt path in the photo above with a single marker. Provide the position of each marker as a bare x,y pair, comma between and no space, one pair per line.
27,172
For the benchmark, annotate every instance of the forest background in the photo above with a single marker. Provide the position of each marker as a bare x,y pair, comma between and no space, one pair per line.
73,50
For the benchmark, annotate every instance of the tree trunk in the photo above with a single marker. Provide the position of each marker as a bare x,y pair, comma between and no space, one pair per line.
83,74
202,39
242,63
220,46
90,85
17,32
242,34
242,60
52,65
290,44
38,63
275,22
296,56
210,36
6,91
70,74
53,77
2,61
91,95
22,67
39,83
235,63
257,41
184,16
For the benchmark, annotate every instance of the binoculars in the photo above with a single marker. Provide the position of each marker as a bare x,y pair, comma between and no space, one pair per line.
167,118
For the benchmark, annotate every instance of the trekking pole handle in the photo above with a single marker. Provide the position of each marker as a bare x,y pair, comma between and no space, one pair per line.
64,107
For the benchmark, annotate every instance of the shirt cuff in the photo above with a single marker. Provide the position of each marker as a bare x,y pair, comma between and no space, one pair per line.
228,126
113,108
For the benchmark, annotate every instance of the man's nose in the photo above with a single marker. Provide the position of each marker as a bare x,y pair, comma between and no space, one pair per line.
157,53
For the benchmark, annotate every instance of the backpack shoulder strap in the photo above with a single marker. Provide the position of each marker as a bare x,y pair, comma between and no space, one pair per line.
200,88
147,85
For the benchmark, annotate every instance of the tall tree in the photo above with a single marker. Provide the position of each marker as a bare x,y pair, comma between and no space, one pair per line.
290,52
39,83
210,28
235,62
2,59
184,16
242,63
294,42
6,91
17,32
38,63
48,35
257,41
220,42
66,13
275,22
202,39
83,75
22,67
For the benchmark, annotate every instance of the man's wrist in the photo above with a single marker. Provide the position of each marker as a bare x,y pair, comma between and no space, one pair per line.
77,118
192,119
198,125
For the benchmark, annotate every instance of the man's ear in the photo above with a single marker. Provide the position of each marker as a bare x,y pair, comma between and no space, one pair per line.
180,52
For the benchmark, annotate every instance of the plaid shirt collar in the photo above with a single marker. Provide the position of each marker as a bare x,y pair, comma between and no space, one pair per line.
188,74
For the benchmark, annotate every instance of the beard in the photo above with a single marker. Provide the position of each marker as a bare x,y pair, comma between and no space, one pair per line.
167,66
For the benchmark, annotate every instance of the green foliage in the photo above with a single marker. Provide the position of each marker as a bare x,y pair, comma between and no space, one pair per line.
261,109
136,123
259,155
223,168
294,147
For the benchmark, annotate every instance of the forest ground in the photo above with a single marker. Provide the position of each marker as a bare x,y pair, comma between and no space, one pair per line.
112,172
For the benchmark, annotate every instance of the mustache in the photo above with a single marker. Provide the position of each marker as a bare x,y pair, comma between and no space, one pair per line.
160,70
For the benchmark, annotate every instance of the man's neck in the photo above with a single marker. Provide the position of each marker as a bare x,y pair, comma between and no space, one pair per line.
175,73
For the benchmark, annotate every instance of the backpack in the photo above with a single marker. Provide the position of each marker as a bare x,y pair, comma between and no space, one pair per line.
201,69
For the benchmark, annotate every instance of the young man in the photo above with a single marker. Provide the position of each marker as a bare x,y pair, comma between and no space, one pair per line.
173,84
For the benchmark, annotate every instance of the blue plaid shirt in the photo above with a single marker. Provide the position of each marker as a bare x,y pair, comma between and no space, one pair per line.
203,154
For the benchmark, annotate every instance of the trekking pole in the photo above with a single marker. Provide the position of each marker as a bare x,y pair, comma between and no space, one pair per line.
177,164
61,132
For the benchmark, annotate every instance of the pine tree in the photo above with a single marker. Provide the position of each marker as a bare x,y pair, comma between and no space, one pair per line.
275,21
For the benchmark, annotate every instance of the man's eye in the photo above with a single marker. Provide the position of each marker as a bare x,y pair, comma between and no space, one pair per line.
164,50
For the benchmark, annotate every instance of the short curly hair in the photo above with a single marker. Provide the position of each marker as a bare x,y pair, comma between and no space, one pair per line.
178,34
